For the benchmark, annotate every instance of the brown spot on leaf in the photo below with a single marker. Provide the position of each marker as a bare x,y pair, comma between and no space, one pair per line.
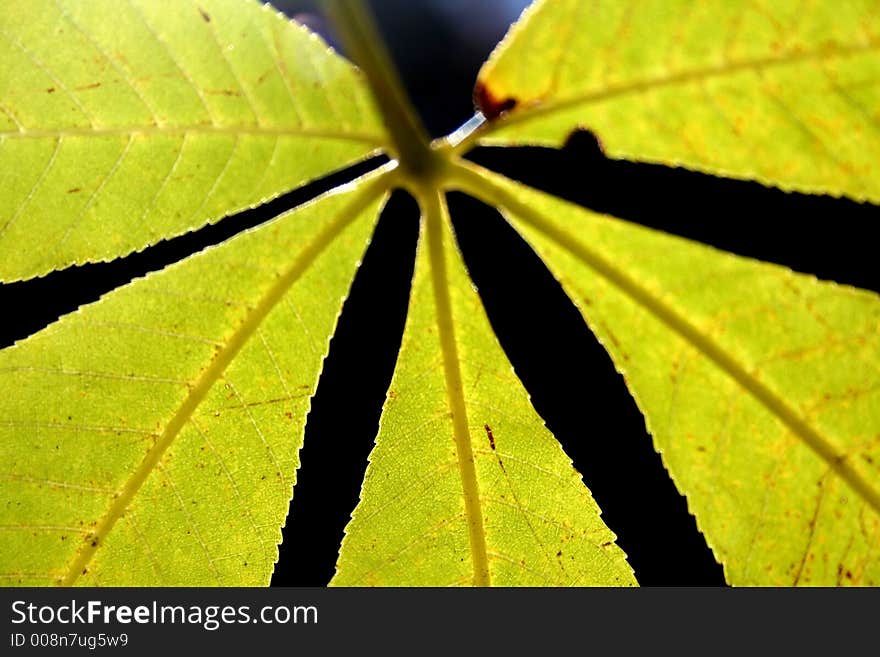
490,436
73,190
490,104
86,87
205,15
50,90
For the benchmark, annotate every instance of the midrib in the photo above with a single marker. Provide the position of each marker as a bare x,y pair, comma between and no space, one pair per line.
432,205
197,129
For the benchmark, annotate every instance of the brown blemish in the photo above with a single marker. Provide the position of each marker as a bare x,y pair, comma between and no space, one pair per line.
490,436
205,15
222,92
86,87
50,90
489,104
613,338
73,190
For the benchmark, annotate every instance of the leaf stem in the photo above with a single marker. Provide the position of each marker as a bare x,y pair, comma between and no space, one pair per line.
435,218
365,46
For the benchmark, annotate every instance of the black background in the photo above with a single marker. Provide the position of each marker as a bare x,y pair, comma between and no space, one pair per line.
439,47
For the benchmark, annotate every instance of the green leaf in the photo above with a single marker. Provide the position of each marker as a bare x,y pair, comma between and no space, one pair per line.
465,485
783,92
153,436
759,385
123,123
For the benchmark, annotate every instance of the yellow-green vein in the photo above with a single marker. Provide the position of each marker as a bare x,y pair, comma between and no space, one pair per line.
201,129
435,214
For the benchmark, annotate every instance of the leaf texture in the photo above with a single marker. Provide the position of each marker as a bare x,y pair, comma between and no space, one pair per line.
465,484
785,92
760,386
122,123
153,436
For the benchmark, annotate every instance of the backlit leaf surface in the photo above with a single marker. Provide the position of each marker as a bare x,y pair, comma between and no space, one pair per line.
760,386
153,436
465,484
125,122
786,92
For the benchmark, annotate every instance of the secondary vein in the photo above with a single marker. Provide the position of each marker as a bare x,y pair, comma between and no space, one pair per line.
212,373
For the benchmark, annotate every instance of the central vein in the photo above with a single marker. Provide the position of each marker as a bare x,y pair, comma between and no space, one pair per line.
434,208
